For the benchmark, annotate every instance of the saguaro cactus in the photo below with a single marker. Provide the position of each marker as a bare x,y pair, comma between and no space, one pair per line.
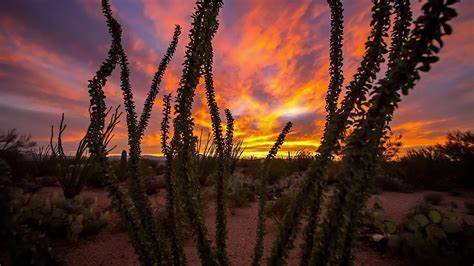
123,167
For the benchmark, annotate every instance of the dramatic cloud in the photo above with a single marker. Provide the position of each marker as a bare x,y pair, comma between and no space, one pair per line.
271,66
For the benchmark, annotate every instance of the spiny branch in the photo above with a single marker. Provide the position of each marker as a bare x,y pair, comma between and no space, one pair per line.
314,179
258,250
150,100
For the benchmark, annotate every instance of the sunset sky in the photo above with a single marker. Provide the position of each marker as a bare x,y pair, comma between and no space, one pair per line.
271,66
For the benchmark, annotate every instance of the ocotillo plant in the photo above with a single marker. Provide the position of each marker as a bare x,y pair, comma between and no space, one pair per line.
229,133
336,241
363,146
366,110
336,121
72,172
258,250
144,230
139,216
172,205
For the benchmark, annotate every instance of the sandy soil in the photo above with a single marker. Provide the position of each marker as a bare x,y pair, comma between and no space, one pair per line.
111,246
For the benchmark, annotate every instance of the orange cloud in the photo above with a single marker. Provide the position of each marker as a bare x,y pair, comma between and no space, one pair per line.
270,66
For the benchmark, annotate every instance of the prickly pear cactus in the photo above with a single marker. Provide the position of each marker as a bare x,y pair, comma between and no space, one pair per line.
431,237
380,224
58,217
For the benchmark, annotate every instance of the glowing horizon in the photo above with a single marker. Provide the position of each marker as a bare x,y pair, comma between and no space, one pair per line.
271,66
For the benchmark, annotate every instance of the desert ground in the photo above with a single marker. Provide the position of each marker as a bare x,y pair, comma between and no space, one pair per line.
110,246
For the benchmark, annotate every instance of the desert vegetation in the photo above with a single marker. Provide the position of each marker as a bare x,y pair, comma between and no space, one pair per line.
313,204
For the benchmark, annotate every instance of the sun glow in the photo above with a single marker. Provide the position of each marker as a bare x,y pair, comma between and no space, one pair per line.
271,66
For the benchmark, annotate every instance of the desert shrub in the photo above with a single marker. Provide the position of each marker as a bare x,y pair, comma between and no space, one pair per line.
246,161
430,237
433,198
43,162
148,163
153,184
13,149
48,181
147,167
251,167
240,194
388,177
277,169
45,167
298,161
28,247
95,181
27,183
469,205
278,208
274,192
30,185
459,150
427,169
438,167
94,178
57,216
241,190
161,181
386,183
235,152
25,245
205,158
160,169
